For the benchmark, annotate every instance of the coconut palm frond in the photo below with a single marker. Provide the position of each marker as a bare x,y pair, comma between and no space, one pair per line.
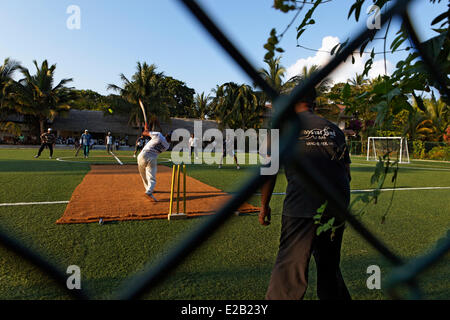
36,95
10,127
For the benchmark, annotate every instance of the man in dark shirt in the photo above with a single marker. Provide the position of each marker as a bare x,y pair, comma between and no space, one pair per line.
322,146
48,140
86,142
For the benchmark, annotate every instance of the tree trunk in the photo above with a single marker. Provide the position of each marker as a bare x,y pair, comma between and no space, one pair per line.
158,124
154,123
139,124
41,125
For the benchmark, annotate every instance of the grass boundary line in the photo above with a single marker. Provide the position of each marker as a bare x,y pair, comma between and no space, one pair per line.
404,167
117,159
411,159
381,190
63,159
32,203
257,194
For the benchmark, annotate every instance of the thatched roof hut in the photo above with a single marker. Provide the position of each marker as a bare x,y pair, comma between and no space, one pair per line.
98,124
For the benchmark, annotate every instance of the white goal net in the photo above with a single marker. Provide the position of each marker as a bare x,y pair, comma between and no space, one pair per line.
395,147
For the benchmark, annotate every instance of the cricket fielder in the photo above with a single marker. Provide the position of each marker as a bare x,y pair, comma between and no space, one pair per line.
48,140
85,141
228,149
321,145
147,160
109,143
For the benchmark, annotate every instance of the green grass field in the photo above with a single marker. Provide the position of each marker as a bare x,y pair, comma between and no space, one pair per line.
235,263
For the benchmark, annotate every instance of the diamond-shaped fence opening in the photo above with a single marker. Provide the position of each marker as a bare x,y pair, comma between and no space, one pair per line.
404,273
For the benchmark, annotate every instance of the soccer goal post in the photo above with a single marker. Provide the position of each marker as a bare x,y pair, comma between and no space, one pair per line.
395,147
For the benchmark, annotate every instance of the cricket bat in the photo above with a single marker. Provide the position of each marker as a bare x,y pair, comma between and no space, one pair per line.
144,113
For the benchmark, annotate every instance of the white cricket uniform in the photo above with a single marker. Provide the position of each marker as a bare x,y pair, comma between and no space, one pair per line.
228,147
147,160
193,143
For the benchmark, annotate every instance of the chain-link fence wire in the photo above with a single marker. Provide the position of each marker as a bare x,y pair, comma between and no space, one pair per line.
404,273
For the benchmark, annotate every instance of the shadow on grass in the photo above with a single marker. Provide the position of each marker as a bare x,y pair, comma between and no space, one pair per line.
40,166
367,169
213,277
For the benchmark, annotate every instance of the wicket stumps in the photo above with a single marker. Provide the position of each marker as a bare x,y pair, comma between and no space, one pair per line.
177,170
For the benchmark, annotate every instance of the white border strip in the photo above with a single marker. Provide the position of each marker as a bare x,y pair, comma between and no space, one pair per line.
381,190
62,160
32,203
412,159
402,189
430,168
257,194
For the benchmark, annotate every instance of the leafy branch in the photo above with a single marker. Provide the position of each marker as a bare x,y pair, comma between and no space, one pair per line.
383,168
386,96
286,6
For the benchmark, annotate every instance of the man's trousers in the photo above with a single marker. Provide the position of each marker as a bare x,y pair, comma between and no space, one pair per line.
147,169
50,147
298,242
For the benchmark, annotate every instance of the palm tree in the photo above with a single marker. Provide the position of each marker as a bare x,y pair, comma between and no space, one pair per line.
427,119
202,106
438,112
237,106
430,118
304,75
358,80
35,94
7,71
274,74
145,86
415,126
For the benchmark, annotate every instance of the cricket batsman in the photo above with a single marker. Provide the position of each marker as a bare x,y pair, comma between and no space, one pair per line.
140,143
147,159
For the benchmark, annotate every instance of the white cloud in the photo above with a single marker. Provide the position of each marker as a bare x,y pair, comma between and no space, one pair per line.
346,70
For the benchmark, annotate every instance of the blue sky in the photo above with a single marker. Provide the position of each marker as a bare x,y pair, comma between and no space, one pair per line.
114,35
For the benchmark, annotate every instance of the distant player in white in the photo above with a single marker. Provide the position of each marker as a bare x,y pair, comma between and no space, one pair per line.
109,143
193,143
228,149
147,160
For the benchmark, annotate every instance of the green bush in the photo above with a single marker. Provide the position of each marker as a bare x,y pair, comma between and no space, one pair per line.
439,153
419,149
388,133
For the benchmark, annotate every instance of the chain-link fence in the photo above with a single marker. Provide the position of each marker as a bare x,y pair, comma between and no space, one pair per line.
404,273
